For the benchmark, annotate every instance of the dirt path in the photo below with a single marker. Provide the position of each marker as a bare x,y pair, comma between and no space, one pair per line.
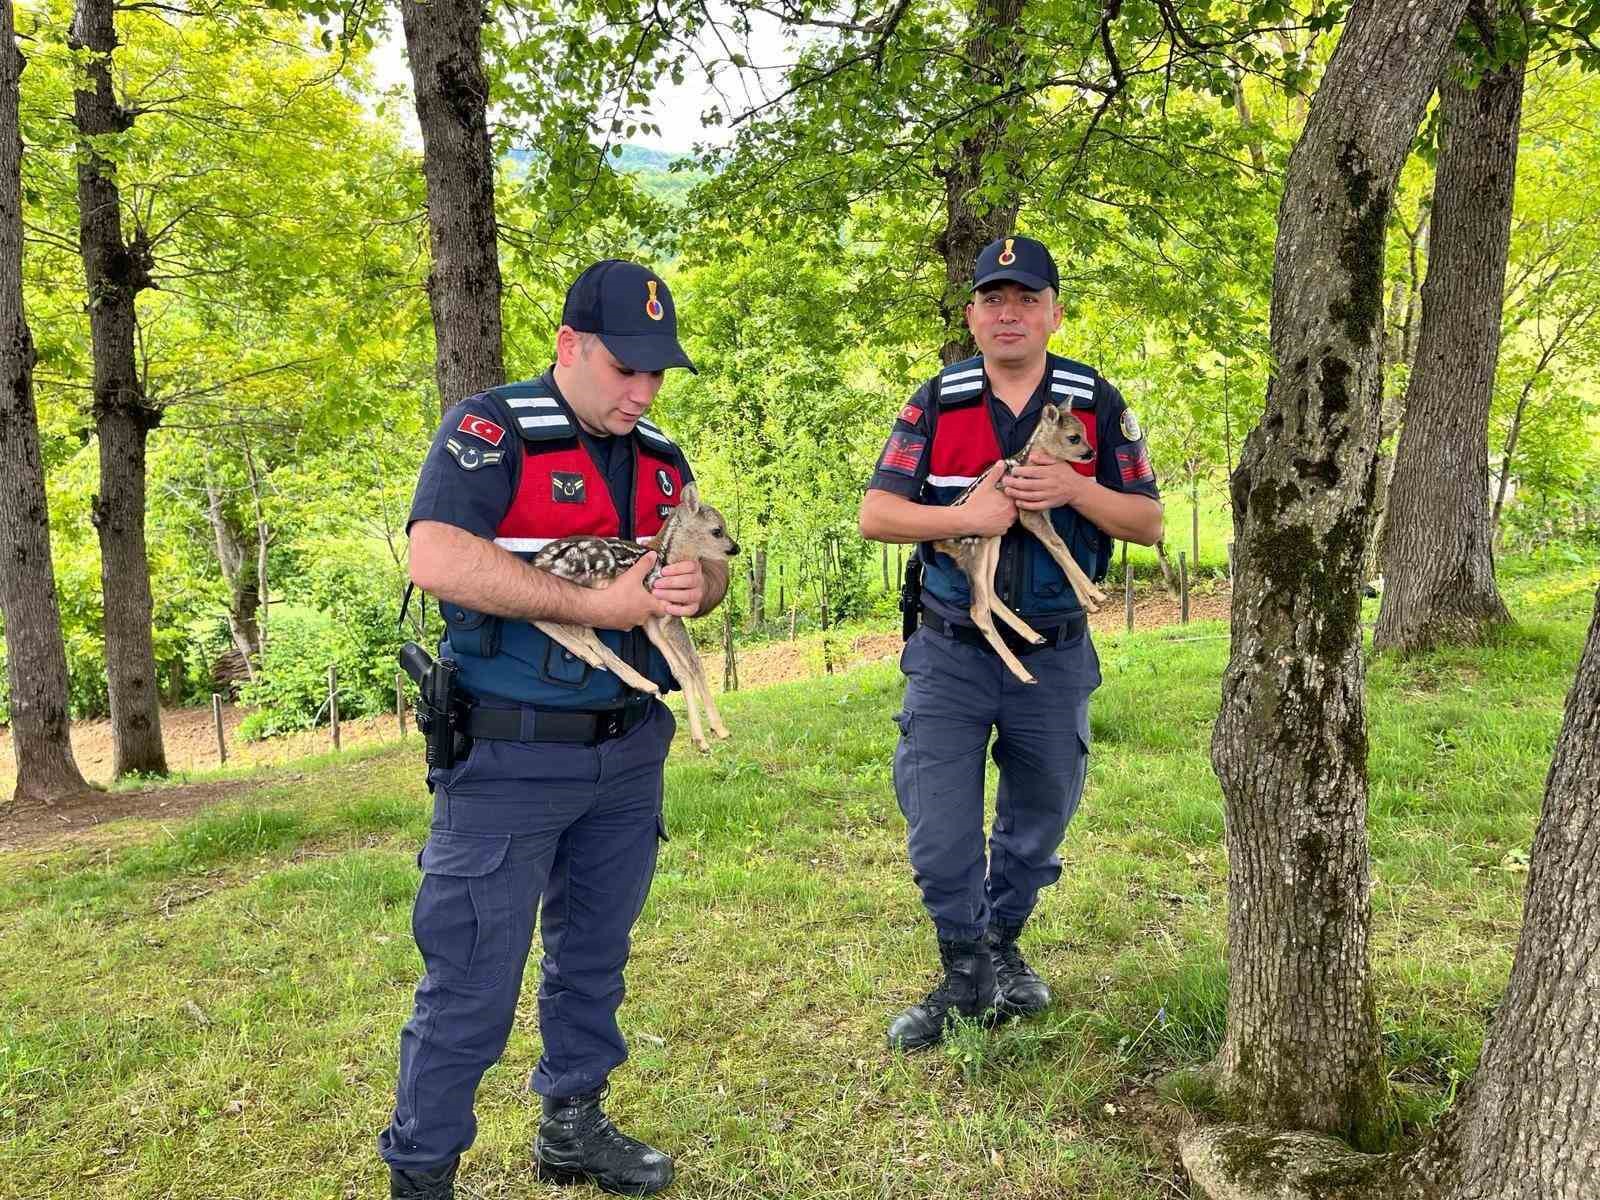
191,741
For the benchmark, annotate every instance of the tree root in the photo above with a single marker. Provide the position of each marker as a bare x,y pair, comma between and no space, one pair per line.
1241,1162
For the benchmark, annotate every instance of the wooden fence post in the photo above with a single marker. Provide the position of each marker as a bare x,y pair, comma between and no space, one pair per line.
216,719
1183,588
400,702
333,703
1127,587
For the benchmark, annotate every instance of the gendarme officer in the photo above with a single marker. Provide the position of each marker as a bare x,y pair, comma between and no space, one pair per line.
556,807
957,426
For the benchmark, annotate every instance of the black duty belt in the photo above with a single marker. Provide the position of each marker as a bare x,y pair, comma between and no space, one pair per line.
530,724
1057,635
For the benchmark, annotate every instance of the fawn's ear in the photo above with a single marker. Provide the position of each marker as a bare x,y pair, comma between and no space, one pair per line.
1051,414
691,497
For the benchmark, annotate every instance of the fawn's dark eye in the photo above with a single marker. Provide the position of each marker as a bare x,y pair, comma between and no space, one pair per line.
717,532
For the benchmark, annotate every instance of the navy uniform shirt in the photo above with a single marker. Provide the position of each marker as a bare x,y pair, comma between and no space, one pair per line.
469,476
1122,461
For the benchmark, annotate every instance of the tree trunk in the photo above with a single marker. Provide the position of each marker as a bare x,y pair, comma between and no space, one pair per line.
758,587
1400,349
1301,1048
1528,1125
1438,547
239,574
1531,1122
445,46
115,272
971,222
36,659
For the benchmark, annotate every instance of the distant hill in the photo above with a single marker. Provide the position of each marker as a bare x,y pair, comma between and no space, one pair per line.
651,168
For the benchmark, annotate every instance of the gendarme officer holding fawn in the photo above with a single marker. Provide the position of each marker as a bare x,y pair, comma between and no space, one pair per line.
954,430
555,811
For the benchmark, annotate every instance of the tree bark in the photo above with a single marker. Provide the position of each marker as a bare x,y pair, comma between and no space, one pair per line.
36,658
445,46
1438,547
758,587
1400,349
115,272
239,575
970,222
1528,1125
1301,1048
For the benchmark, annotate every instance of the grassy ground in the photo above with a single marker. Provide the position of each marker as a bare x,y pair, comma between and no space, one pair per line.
210,1009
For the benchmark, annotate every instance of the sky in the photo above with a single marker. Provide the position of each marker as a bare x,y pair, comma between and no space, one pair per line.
677,109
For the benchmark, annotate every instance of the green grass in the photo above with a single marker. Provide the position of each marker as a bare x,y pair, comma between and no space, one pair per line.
210,1009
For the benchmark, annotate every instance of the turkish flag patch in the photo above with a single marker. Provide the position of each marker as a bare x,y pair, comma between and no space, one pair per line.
1134,464
911,414
481,427
903,454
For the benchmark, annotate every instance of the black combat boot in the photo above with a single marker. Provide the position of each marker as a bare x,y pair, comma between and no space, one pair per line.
577,1142
967,989
424,1185
1021,992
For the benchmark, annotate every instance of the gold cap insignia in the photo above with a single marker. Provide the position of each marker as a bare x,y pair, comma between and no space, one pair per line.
653,307
1008,256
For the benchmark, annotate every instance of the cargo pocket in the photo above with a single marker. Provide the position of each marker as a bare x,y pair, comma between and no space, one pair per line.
905,768
462,921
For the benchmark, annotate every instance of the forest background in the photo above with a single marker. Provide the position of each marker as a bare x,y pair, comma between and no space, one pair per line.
286,352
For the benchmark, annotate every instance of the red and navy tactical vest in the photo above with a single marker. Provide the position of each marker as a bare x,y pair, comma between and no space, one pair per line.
965,445
560,492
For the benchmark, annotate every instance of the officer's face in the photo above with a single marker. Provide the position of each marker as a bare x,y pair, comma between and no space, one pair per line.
606,397
1012,324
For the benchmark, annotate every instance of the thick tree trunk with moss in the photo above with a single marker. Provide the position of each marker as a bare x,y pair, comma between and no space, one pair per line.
972,222
1301,1048
36,659
1528,1125
444,43
115,272
1438,549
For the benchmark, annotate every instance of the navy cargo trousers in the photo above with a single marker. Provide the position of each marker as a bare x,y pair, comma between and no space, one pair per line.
516,823
956,693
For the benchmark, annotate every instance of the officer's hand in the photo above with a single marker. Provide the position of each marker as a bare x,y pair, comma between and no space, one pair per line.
988,511
1043,483
627,603
683,586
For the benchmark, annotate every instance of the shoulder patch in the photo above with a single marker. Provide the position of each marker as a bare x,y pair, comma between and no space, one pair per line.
1130,426
469,457
537,413
903,454
481,427
1133,464
911,414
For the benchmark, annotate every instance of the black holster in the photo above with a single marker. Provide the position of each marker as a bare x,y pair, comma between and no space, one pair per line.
441,706
911,597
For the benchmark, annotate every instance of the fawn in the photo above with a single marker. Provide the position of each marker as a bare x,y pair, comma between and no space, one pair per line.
1062,436
692,530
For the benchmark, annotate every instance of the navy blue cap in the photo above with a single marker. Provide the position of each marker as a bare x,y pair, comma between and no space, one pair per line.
630,309
1018,259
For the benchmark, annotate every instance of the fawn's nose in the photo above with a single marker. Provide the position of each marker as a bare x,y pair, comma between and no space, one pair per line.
733,547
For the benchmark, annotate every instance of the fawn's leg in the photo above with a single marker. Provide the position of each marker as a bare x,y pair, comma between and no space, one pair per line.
678,632
981,577
1038,524
586,644
684,670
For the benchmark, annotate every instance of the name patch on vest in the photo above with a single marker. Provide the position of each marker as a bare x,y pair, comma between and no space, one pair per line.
566,487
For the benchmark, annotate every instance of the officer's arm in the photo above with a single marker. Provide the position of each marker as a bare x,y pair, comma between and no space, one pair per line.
890,517
1125,515
462,568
